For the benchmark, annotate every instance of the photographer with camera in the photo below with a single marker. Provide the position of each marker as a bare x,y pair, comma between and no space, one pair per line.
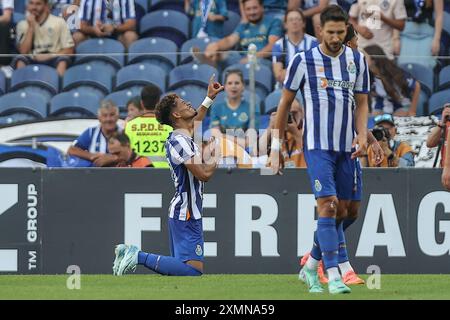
397,153
439,136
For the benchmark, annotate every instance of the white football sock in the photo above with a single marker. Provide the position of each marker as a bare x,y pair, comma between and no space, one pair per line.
312,263
333,274
345,267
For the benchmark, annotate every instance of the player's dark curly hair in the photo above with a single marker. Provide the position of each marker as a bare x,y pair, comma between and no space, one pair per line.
164,109
333,13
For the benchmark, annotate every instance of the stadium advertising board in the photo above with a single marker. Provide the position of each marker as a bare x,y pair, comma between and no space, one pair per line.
252,223
20,217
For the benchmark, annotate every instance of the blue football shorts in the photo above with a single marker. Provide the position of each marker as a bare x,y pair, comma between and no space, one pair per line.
331,173
186,239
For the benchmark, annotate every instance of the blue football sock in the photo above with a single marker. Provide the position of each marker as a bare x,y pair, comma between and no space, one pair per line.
342,254
316,253
328,241
347,223
168,266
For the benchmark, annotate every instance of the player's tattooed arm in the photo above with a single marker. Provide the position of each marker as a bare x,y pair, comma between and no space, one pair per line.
202,171
361,114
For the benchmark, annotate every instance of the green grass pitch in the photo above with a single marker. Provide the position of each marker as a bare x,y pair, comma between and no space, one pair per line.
217,287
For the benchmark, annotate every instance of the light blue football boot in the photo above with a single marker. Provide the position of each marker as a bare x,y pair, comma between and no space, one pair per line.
311,279
129,261
120,253
337,287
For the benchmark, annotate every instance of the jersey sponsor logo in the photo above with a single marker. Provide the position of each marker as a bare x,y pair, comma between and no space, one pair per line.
326,83
317,185
199,250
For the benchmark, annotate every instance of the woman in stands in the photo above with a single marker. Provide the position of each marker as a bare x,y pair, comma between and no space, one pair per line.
234,113
394,90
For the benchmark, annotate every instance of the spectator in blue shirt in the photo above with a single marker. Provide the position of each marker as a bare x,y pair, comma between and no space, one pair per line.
92,145
261,30
217,15
294,41
277,8
103,18
233,114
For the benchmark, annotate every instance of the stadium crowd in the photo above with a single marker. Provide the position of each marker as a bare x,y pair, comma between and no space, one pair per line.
88,58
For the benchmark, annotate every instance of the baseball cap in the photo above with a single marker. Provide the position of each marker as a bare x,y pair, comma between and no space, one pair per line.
384,118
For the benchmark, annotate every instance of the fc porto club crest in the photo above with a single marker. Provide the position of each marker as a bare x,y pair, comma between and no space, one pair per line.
198,250
317,185
351,68
384,5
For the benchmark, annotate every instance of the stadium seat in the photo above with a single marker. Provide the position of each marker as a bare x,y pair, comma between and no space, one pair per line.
74,104
415,45
108,50
2,83
272,100
177,5
233,6
438,100
444,78
140,74
17,17
221,97
22,106
98,79
120,98
423,74
422,104
446,24
201,43
231,23
263,77
144,4
191,93
197,74
41,78
154,50
20,6
169,24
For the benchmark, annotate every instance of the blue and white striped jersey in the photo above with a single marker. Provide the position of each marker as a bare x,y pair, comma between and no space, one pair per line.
188,199
291,49
93,140
106,11
328,85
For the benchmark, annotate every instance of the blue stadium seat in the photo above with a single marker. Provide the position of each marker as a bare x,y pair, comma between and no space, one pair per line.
272,100
177,5
444,78
22,106
201,43
141,74
20,6
154,50
446,24
233,5
144,4
263,77
109,50
42,78
17,17
98,79
120,98
438,100
192,93
2,83
423,74
231,23
197,74
74,104
221,97
169,24
415,45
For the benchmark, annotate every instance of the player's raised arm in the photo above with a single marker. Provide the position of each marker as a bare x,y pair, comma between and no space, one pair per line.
214,88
